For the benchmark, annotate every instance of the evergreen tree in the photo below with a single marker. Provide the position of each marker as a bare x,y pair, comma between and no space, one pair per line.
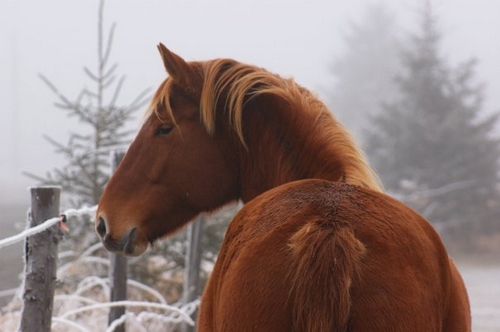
102,130
433,146
87,171
365,73
87,152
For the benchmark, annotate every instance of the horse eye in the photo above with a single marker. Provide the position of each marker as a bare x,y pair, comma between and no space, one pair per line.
163,130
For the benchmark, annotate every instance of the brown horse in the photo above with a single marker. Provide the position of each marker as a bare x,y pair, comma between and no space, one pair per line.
317,247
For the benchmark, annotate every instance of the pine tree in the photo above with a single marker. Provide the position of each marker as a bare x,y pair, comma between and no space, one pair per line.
101,131
433,147
365,72
87,171
87,151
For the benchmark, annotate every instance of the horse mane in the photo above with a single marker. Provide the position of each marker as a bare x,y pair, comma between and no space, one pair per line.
239,83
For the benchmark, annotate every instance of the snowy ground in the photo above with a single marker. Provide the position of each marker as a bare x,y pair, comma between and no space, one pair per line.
483,285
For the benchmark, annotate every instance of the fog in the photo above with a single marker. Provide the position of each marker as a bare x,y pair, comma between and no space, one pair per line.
293,38
299,39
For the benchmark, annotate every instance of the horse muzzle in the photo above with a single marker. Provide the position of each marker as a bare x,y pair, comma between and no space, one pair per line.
127,244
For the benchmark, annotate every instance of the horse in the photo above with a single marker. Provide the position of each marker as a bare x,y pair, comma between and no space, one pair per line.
317,246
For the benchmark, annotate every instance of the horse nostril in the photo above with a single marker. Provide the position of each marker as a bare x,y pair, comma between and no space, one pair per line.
101,227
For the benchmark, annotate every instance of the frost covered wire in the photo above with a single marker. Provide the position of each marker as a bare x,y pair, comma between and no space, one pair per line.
28,232
85,257
148,290
76,298
69,323
91,282
171,315
46,224
177,315
78,311
8,292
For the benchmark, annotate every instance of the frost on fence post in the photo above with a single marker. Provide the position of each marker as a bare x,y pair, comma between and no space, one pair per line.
40,261
118,268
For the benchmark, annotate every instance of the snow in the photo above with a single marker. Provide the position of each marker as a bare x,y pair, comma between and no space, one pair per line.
483,285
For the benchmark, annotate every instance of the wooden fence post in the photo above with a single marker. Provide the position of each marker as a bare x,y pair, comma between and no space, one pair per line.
40,262
193,265
117,269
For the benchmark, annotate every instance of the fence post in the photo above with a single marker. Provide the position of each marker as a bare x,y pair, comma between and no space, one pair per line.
193,265
40,255
117,269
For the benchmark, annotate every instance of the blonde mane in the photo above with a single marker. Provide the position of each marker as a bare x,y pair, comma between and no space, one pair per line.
240,83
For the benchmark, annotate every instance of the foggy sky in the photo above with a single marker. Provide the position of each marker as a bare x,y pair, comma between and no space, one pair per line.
292,38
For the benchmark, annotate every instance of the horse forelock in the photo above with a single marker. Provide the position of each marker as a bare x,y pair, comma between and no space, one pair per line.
161,101
230,84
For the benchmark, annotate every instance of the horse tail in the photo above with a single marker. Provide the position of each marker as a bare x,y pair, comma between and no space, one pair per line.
328,257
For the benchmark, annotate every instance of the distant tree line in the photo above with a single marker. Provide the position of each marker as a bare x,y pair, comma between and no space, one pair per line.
426,132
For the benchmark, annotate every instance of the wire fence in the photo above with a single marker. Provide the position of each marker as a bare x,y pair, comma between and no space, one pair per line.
85,305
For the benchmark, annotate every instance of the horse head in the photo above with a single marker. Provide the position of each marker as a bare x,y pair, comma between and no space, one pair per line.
173,170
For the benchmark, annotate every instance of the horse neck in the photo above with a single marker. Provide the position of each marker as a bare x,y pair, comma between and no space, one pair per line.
284,148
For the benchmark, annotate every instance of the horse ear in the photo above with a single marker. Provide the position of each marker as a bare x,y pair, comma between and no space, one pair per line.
176,66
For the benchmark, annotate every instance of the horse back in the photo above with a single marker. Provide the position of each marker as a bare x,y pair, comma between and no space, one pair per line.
317,256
